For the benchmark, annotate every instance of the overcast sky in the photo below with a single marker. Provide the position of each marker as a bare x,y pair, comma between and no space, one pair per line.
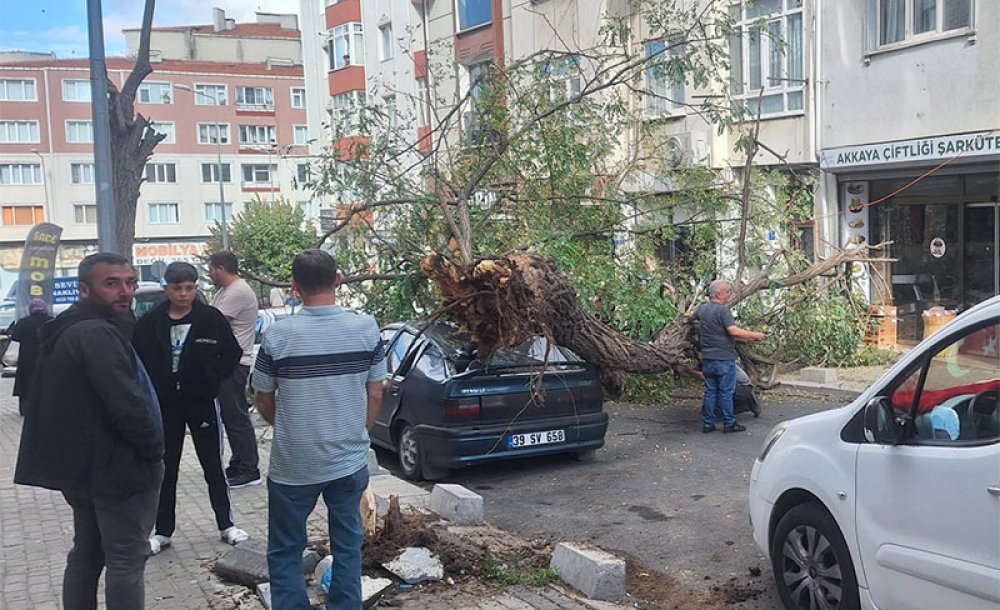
61,25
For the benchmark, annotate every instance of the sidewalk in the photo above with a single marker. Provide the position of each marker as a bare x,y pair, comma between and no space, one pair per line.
36,531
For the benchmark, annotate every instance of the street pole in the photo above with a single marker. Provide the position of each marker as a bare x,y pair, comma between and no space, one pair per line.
104,182
218,159
45,183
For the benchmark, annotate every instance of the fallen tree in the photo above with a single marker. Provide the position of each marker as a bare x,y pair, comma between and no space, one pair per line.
507,300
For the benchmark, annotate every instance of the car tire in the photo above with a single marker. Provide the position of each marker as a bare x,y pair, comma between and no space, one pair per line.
812,565
411,460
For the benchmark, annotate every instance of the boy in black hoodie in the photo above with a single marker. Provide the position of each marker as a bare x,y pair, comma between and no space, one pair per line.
188,349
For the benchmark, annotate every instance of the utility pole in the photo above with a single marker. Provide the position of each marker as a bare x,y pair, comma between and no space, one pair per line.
104,181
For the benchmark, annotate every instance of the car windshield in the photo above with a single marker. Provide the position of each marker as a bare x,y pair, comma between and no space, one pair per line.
6,315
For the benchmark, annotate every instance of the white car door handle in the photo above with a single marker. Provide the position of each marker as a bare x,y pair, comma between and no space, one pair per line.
994,490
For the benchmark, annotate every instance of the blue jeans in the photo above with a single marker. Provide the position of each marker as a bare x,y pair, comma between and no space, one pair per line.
288,508
720,383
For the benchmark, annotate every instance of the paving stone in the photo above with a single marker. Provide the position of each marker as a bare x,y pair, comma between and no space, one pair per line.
244,564
596,574
457,504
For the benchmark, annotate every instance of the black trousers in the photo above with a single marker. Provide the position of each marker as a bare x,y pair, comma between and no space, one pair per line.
203,420
236,418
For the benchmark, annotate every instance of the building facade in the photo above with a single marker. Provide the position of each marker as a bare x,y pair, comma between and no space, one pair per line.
909,148
249,114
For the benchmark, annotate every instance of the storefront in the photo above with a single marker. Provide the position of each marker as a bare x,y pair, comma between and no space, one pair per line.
934,202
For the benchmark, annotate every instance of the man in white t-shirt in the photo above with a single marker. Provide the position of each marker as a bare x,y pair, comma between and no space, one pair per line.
237,301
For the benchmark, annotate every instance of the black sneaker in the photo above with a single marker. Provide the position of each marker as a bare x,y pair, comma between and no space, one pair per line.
707,429
734,428
244,478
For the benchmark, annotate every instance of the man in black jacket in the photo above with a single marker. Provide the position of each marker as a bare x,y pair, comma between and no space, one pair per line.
188,349
94,433
25,332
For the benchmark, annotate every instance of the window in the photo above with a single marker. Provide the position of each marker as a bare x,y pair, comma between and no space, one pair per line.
307,209
424,103
256,98
298,97
166,129
385,46
156,93
218,212
898,21
301,133
18,131
663,94
161,172
82,173
344,106
210,95
565,77
954,396
258,174
76,90
475,76
18,90
210,172
23,215
85,213
21,173
391,112
303,174
473,13
347,46
163,213
767,56
213,133
257,135
79,132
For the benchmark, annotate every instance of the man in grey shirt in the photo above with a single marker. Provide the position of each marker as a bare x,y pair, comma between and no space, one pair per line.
237,301
719,333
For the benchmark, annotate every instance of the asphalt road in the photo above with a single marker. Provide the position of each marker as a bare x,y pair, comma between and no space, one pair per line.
659,492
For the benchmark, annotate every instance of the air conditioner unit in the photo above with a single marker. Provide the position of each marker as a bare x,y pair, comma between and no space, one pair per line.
687,148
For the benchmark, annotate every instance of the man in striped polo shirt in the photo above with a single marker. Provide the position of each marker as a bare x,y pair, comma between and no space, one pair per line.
318,381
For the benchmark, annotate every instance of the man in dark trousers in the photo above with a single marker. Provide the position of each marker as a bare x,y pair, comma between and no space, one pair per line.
188,349
719,333
25,332
94,433
237,301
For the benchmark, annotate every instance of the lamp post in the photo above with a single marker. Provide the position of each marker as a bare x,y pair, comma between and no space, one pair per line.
45,184
218,158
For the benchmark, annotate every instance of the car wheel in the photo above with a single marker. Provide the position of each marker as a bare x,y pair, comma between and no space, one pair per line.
408,449
812,566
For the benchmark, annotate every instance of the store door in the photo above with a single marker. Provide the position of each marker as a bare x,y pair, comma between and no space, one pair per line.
982,252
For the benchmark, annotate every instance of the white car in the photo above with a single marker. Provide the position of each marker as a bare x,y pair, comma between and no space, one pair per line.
893,502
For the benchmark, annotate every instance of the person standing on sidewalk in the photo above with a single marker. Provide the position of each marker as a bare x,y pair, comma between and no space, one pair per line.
237,301
94,433
326,365
188,349
719,333
25,332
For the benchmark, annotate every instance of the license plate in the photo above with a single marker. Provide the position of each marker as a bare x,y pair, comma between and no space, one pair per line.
515,441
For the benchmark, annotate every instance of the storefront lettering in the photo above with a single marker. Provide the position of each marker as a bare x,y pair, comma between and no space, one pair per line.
925,149
145,254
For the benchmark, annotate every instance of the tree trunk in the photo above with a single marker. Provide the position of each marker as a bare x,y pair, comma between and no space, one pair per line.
506,301
132,139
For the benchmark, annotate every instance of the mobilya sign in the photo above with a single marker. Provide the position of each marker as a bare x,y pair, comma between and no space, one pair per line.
38,265
978,144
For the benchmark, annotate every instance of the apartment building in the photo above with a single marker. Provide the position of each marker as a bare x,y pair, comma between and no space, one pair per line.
909,146
251,115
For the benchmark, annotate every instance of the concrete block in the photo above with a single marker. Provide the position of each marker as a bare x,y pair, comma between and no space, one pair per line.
309,561
814,374
374,469
596,574
244,564
372,589
264,594
457,504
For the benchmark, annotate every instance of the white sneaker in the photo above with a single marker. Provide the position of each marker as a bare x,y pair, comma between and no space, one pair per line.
233,535
157,543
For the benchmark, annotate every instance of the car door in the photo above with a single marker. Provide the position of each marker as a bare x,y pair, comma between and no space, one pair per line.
928,509
398,342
